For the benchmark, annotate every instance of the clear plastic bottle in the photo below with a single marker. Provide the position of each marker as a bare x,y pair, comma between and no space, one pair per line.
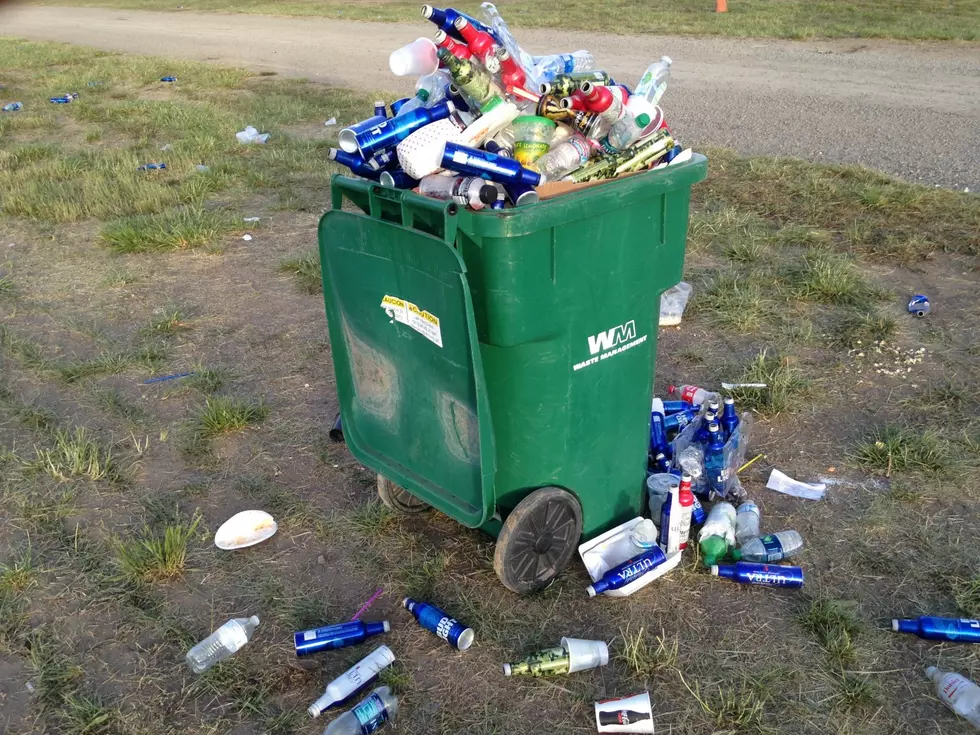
369,715
564,158
747,522
653,83
693,394
720,522
625,132
222,643
958,693
466,191
499,26
429,89
771,548
644,535
549,67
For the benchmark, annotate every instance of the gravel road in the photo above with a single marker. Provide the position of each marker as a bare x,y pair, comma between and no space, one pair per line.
910,110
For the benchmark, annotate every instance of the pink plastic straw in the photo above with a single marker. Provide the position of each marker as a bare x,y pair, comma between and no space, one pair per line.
366,605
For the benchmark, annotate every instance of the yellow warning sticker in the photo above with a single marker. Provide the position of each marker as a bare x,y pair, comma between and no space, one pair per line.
407,313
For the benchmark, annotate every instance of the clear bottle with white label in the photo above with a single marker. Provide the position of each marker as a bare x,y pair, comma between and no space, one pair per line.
747,522
958,693
222,643
371,713
354,679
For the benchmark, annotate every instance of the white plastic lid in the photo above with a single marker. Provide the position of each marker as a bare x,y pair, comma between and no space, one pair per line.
714,570
506,669
591,590
667,59
895,625
387,626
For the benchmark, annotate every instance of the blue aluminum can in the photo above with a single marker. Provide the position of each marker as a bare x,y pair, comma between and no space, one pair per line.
435,620
377,133
332,637
919,305
960,630
355,163
767,575
397,179
397,105
677,421
672,407
658,434
474,162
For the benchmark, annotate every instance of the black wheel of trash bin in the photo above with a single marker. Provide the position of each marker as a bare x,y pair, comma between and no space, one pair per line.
398,498
538,539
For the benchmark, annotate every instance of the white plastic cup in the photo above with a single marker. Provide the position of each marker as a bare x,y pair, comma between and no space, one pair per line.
414,59
584,655
629,714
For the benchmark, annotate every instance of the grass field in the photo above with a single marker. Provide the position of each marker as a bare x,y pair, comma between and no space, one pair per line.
902,19
111,489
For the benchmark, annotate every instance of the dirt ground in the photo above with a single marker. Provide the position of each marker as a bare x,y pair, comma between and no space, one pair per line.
808,266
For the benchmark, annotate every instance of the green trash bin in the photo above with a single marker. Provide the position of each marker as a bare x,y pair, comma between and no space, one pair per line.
498,365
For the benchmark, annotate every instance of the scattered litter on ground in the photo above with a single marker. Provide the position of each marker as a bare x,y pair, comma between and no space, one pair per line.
736,386
251,135
251,219
163,378
244,529
246,238
330,122
673,301
783,483
919,305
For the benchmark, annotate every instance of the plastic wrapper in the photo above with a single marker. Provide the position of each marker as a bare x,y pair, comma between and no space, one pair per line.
735,449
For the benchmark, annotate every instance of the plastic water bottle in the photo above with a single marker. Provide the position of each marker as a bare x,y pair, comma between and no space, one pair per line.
774,547
717,534
354,679
765,575
562,159
222,643
372,712
961,630
693,394
747,522
467,191
958,693
653,83
644,535
429,89
627,572
546,68
12,107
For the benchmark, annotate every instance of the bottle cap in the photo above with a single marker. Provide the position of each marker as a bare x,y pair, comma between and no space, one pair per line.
642,120
895,625
714,570
667,59
506,669
591,590
427,11
423,94
460,22
488,194
386,625
736,554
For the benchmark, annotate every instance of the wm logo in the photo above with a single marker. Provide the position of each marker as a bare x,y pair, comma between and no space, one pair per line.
612,337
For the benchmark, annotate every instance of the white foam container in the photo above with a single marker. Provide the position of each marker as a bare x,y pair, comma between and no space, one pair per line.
613,548
244,529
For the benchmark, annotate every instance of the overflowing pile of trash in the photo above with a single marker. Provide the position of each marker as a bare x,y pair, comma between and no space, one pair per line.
492,126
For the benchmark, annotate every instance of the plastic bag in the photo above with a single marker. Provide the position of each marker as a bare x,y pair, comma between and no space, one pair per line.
251,135
672,303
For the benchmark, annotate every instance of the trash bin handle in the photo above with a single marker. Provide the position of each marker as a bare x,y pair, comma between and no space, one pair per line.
409,202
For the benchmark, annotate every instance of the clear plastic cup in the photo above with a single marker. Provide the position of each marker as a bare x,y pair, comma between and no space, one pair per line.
414,59
532,138
583,655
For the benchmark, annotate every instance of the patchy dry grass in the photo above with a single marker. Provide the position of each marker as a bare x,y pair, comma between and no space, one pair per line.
141,582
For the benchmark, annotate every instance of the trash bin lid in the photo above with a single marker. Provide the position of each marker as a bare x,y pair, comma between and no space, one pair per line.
407,360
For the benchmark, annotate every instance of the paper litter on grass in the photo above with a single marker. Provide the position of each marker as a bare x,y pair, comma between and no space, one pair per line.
783,483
